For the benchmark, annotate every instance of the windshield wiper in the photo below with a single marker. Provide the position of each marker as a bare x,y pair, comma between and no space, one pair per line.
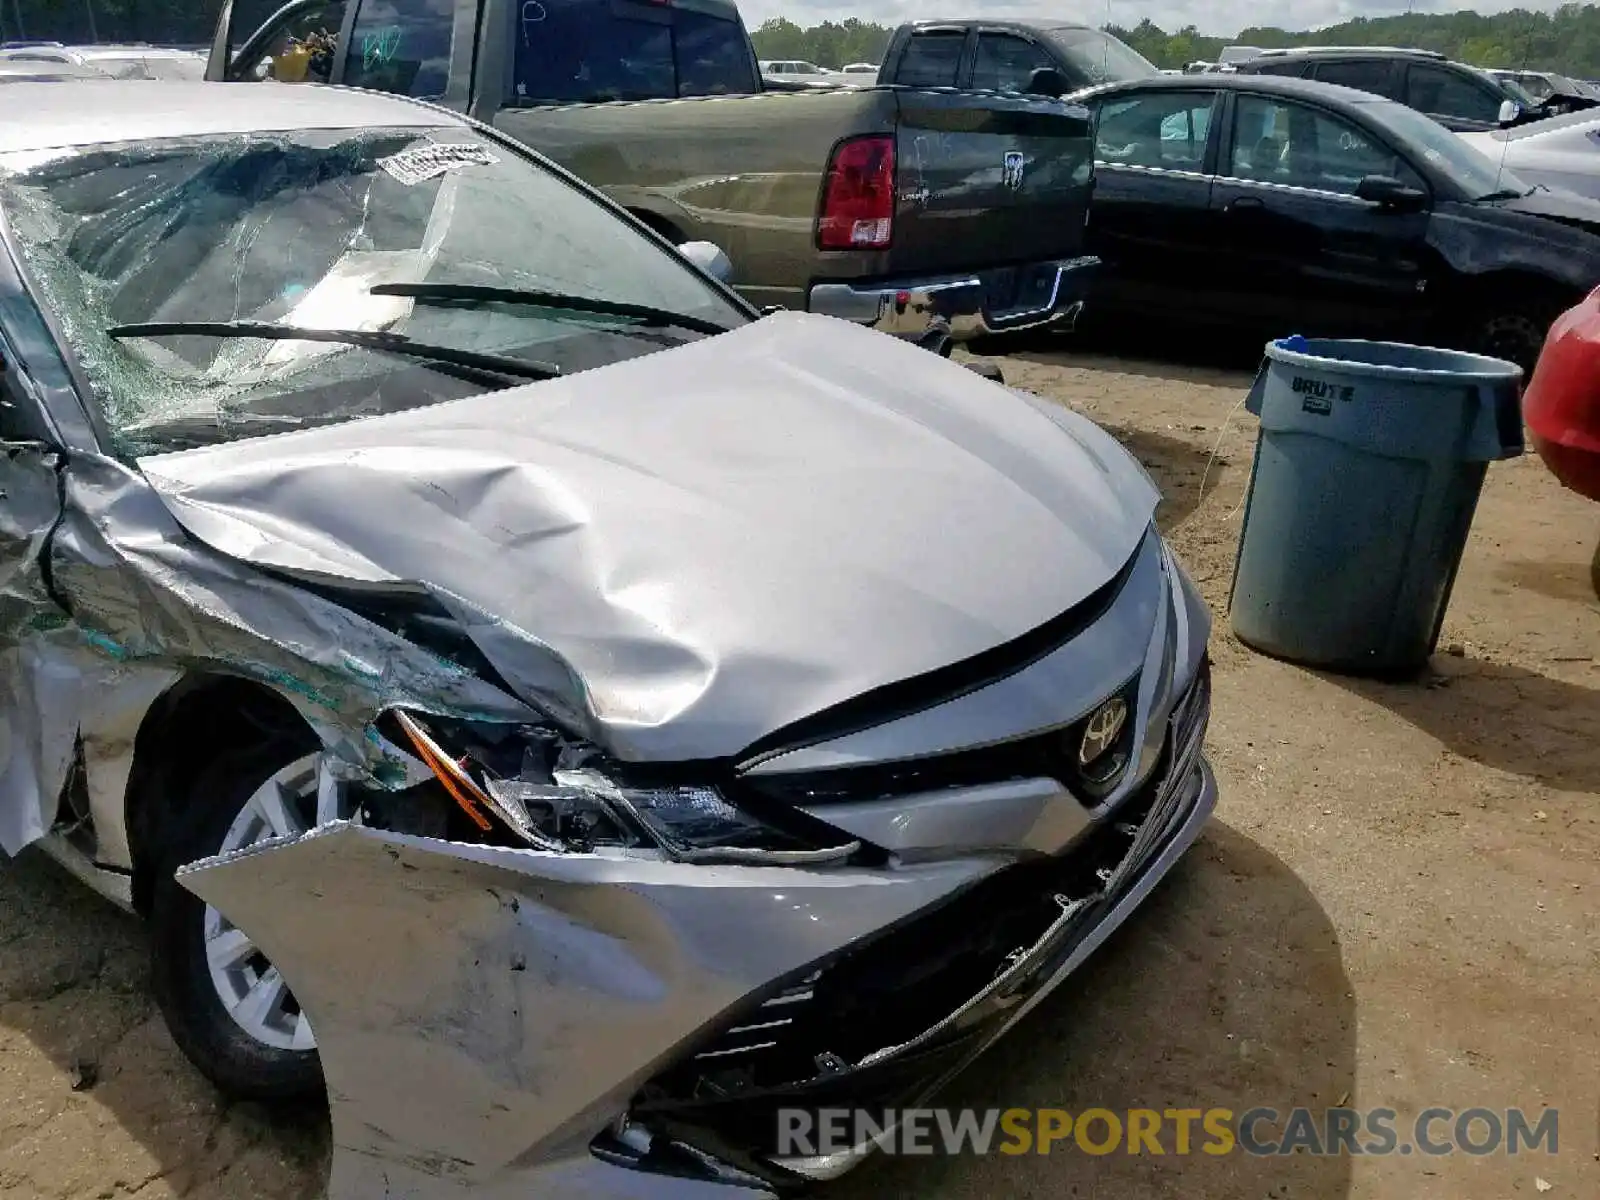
384,342
482,294
1506,194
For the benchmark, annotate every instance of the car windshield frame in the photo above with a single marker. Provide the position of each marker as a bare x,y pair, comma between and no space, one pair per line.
1436,150
182,229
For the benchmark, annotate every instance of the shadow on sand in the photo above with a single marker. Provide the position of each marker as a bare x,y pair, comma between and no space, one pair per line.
73,983
1226,991
1502,716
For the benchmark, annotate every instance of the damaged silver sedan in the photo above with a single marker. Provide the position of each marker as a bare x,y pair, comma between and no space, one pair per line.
568,715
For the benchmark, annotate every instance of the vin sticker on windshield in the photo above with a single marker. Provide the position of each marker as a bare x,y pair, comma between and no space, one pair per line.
422,163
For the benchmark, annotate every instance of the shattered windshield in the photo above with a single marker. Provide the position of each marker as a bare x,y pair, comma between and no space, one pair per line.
297,229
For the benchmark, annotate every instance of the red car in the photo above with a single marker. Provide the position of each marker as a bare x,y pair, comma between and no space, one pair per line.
1561,405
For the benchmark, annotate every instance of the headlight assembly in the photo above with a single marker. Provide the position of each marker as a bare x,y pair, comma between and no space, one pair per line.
554,795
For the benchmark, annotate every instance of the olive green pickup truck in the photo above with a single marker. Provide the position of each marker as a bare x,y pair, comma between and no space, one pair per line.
902,208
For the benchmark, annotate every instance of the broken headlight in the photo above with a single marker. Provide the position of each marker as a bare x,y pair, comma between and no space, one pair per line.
555,794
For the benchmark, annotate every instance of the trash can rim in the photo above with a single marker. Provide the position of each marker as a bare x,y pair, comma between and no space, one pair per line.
1495,370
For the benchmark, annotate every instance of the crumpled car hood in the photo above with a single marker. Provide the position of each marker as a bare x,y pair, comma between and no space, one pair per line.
700,546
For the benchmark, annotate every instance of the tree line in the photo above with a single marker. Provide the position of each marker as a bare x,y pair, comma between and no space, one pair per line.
169,22
1565,40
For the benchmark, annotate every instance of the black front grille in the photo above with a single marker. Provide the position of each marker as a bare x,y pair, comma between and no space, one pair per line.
890,989
1049,755
803,1042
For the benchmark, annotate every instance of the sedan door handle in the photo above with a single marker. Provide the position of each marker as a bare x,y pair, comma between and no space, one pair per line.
1244,204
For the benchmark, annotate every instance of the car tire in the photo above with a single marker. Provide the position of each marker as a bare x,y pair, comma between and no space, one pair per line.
189,939
1513,328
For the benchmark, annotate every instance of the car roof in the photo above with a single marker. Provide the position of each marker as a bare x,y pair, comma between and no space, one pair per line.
134,50
1285,85
1350,52
47,69
139,110
1040,26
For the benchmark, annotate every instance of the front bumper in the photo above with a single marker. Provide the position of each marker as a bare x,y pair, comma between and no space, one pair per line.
498,1023
969,305
886,1025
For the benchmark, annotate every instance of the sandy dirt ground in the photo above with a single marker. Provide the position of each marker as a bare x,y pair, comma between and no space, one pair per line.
1395,907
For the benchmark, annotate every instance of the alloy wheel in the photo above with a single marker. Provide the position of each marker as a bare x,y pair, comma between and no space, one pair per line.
295,799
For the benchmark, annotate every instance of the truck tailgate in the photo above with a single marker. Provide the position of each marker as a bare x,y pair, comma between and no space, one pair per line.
987,180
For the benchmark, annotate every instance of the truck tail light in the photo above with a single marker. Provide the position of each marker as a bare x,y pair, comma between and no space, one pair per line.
858,196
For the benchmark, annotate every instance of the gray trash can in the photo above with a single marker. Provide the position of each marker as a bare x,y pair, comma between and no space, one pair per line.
1367,471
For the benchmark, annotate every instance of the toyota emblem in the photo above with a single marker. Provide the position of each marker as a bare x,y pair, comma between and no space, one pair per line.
1101,731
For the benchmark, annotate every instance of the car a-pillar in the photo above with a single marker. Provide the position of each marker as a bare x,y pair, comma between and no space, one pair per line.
660,225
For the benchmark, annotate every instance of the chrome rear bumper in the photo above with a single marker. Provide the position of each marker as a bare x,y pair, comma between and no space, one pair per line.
1004,300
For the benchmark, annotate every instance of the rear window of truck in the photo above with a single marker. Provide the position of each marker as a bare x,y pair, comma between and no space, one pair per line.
586,51
932,59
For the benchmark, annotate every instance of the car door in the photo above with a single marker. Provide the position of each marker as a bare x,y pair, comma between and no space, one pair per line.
1306,254
1453,97
1151,210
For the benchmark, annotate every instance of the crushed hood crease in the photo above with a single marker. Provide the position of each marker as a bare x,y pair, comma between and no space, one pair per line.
698,547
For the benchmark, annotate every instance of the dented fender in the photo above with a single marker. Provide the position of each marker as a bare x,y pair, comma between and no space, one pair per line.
1518,239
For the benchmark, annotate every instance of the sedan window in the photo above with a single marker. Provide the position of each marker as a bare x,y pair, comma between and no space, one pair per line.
1157,129
1286,143
1440,91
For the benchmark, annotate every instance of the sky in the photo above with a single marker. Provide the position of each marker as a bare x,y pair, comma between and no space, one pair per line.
1218,17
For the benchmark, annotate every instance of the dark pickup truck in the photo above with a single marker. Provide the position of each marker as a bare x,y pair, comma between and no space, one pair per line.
895,207
1037,57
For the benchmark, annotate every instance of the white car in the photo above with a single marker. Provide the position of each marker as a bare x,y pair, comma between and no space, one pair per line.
796,71
1562,152
12,71
118,62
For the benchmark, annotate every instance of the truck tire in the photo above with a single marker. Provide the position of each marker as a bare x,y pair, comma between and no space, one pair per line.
226,1005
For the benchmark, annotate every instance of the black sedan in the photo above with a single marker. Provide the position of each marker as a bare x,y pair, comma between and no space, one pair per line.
1289,206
